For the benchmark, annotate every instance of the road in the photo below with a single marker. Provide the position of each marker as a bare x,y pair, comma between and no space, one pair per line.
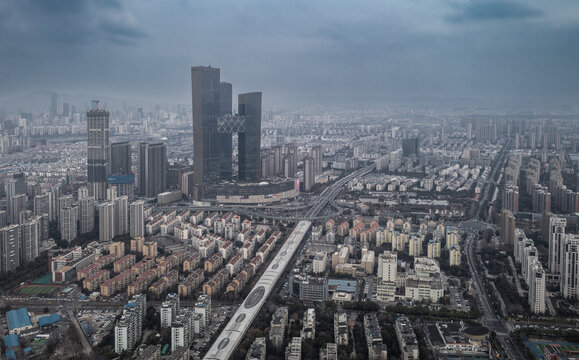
235,330
81,335
490,317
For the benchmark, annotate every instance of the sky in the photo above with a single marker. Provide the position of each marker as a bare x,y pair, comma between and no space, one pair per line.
302,51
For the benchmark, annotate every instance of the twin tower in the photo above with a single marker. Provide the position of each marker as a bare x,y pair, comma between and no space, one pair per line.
214,125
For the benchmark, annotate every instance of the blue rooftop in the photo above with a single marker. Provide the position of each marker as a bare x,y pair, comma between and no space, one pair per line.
18,318
10,355
48,319
348,286
11,341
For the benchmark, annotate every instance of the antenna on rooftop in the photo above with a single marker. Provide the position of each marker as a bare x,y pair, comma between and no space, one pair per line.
95,104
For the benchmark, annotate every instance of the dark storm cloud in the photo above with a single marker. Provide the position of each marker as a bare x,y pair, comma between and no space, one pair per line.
67,21
477,10
299,50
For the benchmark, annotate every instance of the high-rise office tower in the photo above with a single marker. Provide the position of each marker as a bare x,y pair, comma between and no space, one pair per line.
309,173
213,126
556,235
137,218
85,211
224,139
121,215
410,147
53,105
570,266
98,156
249,106
68,223
121,158
9,248
106,221
152,169
207,105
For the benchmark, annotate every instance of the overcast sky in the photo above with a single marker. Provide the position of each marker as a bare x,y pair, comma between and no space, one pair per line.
299,50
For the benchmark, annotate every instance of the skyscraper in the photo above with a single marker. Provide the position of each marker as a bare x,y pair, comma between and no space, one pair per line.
137,218
206,88
213,126
250,140
537,286
556,235
106,221
152,169
224,140
41,204
511,198
410,146
17,204
317,155
121,215
68,227
98,157
9,248
14,186
309,173
121,158
85,211
30,235
507,227
570,266
53,105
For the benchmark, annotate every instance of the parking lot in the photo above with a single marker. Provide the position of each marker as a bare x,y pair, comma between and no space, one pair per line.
457,301
96,323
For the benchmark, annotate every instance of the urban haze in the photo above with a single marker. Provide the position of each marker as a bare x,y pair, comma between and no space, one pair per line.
289,180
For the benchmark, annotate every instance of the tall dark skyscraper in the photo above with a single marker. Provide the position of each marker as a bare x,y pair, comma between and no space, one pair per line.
224,141
98,157
53,105
206,89
250,140
152,169
213,127
410,147
121,158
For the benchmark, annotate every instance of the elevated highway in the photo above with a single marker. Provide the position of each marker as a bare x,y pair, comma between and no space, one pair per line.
235,330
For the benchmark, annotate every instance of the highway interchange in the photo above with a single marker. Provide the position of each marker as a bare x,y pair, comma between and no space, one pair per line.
235,330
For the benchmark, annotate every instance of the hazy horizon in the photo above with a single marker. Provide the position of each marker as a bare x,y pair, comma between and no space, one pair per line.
483,51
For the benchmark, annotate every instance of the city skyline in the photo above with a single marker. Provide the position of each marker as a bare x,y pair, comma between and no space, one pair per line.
393,180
